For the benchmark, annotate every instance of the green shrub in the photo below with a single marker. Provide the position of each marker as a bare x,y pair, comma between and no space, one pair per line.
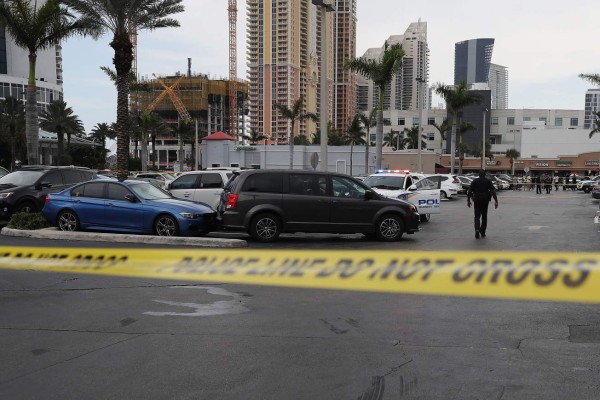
28,221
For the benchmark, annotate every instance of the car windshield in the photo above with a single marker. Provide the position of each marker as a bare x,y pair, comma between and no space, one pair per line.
148,191
21,178
385,182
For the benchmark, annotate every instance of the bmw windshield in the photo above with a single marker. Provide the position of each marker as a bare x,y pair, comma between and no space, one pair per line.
148,191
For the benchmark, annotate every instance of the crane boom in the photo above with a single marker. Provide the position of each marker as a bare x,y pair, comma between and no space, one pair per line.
169,90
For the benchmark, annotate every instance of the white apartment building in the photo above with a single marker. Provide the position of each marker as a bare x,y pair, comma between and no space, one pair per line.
404,92
592,105
498,84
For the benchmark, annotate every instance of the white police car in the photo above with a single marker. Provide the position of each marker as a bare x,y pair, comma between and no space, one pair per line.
422,191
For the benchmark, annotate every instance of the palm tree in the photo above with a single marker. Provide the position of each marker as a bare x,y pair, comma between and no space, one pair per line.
596,123
368,122
254,136
412,136
184,130
464,127
456,98
394,139
443,128
593,78
512,155
148,122
35,29
59,118
12,120
122,19
355,136
100,133
294,114
381,72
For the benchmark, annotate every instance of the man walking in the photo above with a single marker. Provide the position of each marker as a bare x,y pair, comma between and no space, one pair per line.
481,191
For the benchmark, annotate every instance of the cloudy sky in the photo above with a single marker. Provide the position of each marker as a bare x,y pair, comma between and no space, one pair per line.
545,45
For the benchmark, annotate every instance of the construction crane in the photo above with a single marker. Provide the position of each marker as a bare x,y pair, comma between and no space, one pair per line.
170,90
232,8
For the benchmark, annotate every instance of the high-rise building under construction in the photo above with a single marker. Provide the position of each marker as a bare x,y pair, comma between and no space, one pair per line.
284,50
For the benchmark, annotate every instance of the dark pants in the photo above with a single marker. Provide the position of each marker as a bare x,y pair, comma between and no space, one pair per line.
538,188
481,210
548,188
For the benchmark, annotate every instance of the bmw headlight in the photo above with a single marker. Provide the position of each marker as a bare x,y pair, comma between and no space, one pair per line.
5,195
187,215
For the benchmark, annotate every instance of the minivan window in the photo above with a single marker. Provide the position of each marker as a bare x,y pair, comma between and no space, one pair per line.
310,185
264,183
54,177
211,181
185,182
71,177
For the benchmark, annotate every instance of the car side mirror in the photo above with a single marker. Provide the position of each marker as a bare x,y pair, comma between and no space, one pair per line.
43,184
131,198
412,187
168,186
369,195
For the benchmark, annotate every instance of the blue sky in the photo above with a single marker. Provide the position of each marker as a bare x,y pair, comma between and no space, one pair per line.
545,45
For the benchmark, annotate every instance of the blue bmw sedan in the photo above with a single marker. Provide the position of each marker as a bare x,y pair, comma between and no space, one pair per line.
128,207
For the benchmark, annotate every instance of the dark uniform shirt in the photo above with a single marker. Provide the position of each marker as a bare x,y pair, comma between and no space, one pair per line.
482,189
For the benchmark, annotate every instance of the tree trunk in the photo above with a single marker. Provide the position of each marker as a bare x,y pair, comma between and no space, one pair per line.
180,153
31,113
453,142
144,153
367,153
379,132
153,151
13,149
351,149
122,128
292,146
60,138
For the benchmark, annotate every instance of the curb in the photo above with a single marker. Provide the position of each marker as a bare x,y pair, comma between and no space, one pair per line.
54,233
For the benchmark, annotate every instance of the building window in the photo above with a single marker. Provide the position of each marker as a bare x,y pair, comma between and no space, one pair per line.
415,121
387,122
574,121
494,120
510,120
558,121
430,121
431,136
401,121
544,120
526,118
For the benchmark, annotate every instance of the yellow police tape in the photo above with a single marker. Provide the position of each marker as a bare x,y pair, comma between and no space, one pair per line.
571,277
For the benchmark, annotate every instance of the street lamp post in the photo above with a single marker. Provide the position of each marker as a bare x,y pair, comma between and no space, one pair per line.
325,8
485,110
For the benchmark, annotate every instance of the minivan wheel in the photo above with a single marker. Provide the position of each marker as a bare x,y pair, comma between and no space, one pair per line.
390,228
425,217
265,228
67,221
26,207
165,225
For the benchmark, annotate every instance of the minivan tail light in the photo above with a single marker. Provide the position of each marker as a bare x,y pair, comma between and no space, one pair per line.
232,201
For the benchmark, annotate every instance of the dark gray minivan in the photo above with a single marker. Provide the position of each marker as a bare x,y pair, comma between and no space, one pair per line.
266,203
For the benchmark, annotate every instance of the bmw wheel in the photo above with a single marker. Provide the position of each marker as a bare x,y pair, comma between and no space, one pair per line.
265,228
67,221
390,228
165,225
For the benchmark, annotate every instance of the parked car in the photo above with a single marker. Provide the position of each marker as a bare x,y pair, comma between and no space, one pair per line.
25,190
130,206
266,203
586,185
3,171
450,186
465,183
596,191
163,177
202,186
423,192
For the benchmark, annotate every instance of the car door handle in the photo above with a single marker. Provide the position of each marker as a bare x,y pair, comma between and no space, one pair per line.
186,194
109,204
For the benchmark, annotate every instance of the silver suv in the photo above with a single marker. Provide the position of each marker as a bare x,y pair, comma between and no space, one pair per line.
200,186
